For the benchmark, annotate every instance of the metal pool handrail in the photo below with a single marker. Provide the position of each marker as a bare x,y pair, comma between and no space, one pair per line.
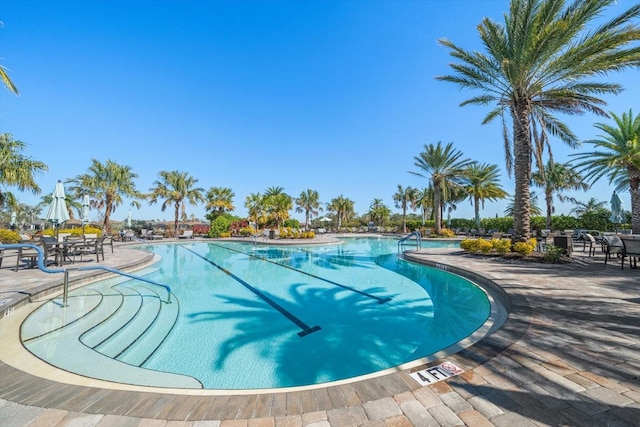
45,269
404,240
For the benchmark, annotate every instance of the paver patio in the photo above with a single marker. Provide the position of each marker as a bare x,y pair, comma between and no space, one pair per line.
568,354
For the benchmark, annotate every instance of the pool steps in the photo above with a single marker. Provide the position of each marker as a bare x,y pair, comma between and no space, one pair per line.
115,325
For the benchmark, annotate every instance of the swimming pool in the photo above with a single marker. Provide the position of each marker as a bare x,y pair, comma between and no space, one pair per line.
259,317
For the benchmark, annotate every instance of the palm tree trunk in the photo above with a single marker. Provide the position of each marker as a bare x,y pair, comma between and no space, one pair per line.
404,218
476,206
634,189
438,208
175,223
549,200
522,173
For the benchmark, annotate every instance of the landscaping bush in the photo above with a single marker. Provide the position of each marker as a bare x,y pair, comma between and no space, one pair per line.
221,225
525,248
446,232
553,253
502,246
9,237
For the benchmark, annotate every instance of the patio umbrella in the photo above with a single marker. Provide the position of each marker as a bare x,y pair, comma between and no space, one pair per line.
129,219
85,211
616,209
325,219
13,220
58,213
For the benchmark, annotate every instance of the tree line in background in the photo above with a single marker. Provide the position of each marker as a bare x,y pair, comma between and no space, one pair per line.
547,57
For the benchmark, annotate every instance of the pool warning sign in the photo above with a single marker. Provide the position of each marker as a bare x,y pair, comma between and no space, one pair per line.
436,373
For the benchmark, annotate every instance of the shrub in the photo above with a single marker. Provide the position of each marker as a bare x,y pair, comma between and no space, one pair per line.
220,225
484,246
553,253
225,234
502,246
8,236
525,248
476,245
247,231
446,232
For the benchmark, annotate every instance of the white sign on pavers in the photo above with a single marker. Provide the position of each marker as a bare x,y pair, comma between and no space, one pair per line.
437,373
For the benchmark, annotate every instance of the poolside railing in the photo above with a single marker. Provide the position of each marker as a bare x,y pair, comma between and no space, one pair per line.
403,242
65,294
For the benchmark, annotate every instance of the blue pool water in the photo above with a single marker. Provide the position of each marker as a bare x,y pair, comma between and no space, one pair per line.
253,317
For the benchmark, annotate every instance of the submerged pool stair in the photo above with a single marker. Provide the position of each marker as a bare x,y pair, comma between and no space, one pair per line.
118,323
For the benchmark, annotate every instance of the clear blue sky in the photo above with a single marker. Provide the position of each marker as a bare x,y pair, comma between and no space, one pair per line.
336,96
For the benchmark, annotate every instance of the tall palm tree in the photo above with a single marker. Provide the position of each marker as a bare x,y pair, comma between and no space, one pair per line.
617,155
17,170
581,208
482,182
106,184
547,57
176,188
445,168
343,207
555,178
379,212
5,77
309,203
425,202
255,205
219,200
407,197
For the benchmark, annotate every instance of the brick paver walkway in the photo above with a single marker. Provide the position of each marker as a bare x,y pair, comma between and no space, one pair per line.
569,354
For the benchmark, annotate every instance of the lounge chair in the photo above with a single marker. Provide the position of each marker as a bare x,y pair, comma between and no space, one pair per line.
613,246
186,234
631,250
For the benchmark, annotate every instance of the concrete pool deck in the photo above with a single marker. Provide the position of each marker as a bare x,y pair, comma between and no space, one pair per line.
568,354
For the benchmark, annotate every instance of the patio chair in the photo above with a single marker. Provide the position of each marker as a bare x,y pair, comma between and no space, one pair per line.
631,250
186,234
93,247
613,246
589,240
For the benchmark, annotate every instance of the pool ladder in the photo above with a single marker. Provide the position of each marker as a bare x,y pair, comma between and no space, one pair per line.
403,242
65,294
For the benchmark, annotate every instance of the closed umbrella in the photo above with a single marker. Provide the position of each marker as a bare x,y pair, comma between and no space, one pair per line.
13,220
58,213
616,209
129,219
85,211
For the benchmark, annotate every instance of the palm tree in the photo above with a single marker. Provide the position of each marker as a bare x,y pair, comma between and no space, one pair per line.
255,205
581,208
343,207
309,203
379,212
5,77
277,204
543,60
175,188
425,202
481,182
17,170
404,198
445,168
555,178
219,201
106,184
617,155
535,209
